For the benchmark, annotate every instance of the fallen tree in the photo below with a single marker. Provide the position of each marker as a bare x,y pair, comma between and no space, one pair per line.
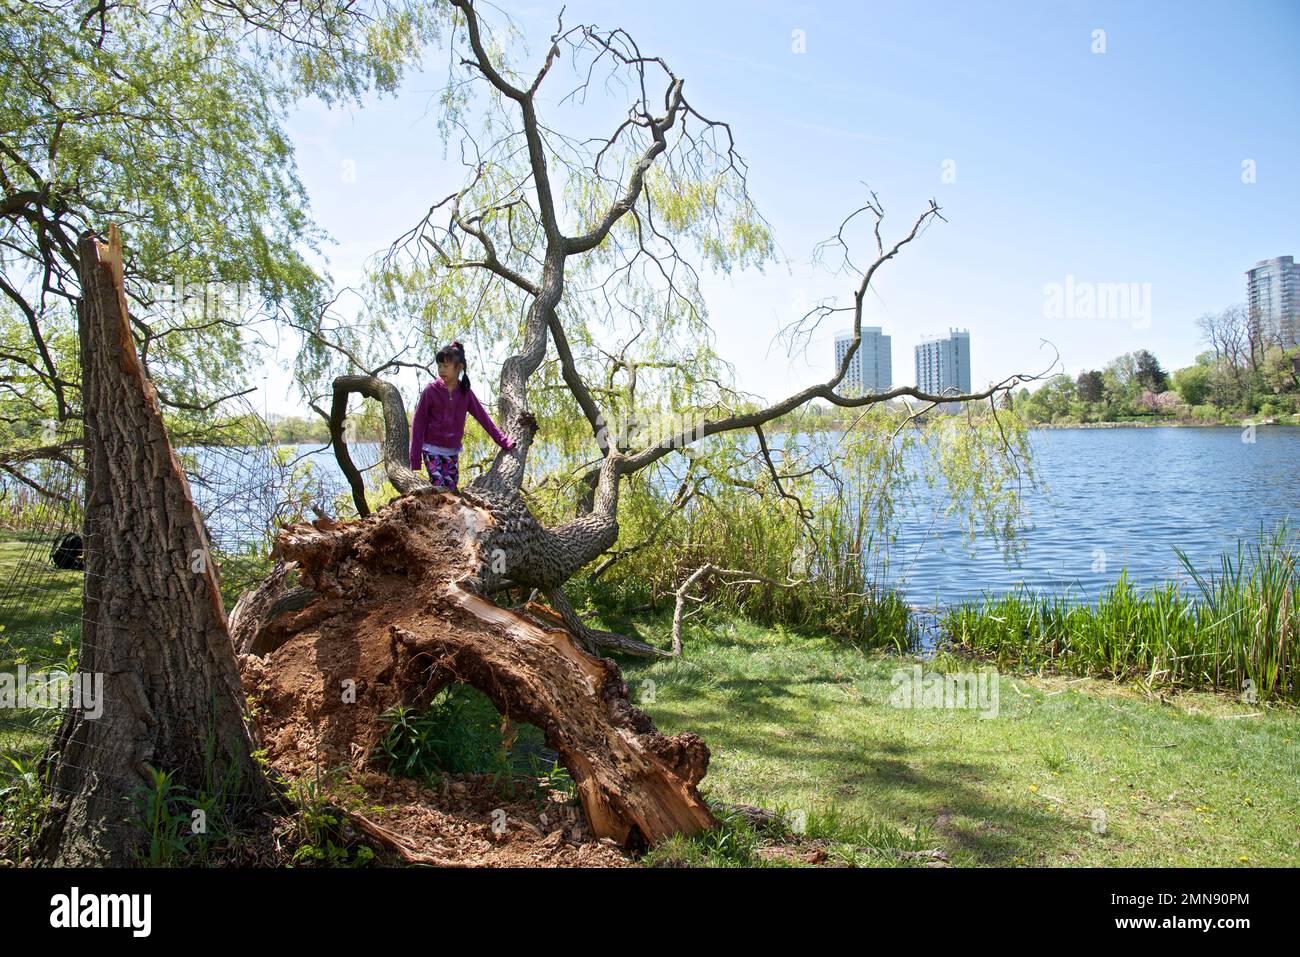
394,611
390,607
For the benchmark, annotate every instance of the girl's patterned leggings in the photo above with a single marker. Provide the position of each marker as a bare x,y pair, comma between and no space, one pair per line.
444,470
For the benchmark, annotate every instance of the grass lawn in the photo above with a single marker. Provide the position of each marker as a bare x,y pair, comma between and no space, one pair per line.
1070,771
37,630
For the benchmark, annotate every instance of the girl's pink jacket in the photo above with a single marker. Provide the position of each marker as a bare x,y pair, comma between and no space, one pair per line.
440,420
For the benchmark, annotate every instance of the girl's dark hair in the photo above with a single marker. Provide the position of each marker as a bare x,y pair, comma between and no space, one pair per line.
455,353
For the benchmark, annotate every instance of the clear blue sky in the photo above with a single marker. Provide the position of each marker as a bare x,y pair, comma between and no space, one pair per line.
1115,167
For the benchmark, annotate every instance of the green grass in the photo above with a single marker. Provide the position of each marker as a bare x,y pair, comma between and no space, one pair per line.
843,840
804,724
42,632
799,722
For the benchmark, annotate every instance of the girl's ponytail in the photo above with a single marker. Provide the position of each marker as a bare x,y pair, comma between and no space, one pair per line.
465,376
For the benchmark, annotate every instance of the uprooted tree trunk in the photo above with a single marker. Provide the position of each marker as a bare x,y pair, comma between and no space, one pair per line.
153,628
392,610
383,610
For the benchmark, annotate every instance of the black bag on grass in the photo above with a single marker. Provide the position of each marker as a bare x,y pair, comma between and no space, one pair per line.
68,553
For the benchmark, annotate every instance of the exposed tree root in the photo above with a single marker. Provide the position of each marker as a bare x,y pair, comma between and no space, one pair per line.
388,613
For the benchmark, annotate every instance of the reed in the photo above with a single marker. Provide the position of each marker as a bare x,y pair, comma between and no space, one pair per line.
1235,630
734,526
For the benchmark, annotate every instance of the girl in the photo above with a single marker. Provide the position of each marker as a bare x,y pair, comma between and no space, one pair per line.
440,419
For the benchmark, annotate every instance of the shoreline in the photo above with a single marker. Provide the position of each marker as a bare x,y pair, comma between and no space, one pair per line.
1164,425
1169,424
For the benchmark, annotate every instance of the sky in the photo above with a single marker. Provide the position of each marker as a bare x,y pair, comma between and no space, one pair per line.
1153,145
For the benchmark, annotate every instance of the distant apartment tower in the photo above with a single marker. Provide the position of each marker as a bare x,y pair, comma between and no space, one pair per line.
872,368
943,364
1273,301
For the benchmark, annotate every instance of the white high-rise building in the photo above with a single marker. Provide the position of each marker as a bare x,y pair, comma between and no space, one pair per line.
872,368
1273,301
943,364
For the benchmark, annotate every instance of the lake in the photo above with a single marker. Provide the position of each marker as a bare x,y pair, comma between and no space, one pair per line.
1112,499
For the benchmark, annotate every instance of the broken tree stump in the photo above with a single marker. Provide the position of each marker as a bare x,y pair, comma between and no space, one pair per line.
153,629
392,613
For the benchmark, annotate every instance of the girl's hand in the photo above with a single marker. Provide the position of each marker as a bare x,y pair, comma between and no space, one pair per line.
509,443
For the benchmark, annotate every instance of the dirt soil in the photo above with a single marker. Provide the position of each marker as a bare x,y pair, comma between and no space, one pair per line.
468,823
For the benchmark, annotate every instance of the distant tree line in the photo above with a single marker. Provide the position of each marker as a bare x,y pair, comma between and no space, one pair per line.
1240,374
368,424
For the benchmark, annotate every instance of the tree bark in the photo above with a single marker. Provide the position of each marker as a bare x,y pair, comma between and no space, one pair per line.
394,446
153,628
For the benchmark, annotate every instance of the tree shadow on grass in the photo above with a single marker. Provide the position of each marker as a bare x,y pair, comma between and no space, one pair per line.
905,784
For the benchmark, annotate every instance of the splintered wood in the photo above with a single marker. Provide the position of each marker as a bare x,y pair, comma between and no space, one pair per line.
390,615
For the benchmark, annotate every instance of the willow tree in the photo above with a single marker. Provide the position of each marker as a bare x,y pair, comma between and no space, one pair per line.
168,120
591,246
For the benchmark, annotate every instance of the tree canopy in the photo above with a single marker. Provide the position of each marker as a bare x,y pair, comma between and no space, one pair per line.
168,120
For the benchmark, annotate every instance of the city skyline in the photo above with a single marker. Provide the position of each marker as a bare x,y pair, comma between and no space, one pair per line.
1272,302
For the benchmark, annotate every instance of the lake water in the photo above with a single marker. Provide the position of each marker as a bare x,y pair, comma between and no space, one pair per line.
1112,499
